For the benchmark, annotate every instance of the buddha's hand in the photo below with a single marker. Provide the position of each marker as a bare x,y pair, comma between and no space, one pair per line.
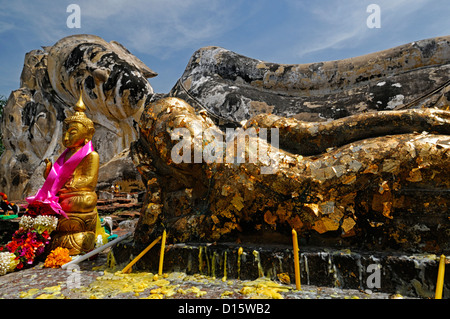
48,167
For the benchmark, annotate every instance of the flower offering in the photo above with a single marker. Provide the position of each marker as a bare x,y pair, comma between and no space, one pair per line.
27,242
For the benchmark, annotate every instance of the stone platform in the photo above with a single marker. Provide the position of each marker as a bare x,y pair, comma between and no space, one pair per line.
387,272
412,275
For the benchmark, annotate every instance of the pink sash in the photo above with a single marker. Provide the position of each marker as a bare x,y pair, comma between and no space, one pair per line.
58,176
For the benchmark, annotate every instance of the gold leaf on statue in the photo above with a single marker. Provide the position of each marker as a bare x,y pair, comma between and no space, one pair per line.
237,202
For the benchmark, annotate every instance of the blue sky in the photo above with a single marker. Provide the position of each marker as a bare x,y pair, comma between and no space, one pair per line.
165,33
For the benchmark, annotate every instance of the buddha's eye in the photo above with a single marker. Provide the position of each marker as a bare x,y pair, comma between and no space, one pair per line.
73,132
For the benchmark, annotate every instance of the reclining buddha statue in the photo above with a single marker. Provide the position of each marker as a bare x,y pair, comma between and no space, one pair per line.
361,161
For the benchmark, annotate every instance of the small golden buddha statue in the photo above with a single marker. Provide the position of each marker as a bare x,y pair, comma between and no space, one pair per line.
77,196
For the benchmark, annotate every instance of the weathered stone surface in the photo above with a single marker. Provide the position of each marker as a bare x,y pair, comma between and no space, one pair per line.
120,172
374,177
233,88
115,89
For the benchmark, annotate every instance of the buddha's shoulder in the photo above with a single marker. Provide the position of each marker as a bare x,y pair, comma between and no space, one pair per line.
93,155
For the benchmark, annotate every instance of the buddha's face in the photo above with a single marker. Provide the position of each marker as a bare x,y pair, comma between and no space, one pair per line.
75,135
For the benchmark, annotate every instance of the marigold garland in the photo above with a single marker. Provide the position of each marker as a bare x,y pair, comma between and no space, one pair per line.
57,257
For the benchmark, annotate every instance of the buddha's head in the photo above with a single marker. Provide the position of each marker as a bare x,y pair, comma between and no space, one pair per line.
113,79
78,128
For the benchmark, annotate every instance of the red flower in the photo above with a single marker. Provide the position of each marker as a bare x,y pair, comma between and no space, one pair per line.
39,208
12,246
45,234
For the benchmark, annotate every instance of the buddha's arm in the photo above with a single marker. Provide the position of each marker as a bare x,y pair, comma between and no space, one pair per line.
48,167
312,138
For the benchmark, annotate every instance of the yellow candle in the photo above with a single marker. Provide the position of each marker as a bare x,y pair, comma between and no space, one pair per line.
440,278
161,255
224,278
135,260
296,260
240,251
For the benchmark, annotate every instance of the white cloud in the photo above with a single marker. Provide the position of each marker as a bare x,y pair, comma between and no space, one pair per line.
144,26
4,26
166,29
342,24
158,27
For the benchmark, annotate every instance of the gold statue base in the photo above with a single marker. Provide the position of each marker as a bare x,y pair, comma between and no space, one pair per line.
77,233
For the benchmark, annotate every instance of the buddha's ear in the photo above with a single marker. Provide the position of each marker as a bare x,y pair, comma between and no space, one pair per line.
90,134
